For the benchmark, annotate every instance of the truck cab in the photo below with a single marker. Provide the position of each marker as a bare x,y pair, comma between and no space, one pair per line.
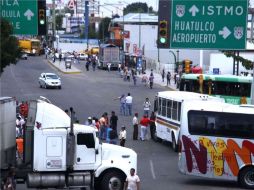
63,154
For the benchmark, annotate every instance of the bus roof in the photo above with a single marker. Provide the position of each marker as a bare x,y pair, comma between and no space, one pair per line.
224,78
218,107
183,95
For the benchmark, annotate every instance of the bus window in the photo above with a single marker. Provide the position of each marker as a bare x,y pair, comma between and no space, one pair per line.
169,107
174,110
155,106
234,125
197,123
163,112
179,111
159,107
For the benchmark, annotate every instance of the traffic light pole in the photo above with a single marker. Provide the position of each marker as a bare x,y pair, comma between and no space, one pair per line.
252,86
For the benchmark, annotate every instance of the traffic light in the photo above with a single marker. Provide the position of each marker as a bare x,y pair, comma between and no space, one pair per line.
163,38
163,32
187,66
41,11
42,17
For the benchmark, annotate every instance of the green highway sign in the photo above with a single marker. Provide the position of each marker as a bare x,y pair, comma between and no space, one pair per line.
23,14
213,24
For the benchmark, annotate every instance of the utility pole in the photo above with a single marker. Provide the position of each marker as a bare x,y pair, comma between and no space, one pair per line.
86,22
139,30
54,21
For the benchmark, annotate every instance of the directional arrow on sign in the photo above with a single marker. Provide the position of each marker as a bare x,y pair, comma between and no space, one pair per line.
193,10
28,14
225,32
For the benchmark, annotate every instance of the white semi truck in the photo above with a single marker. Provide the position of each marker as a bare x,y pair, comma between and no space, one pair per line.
60,154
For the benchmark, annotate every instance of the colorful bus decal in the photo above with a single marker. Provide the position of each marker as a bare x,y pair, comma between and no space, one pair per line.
220,152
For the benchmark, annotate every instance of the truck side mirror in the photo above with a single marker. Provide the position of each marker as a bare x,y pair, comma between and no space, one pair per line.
96,151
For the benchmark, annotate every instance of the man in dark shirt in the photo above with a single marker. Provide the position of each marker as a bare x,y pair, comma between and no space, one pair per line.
113,121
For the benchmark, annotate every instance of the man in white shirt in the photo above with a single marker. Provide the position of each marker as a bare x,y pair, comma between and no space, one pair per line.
128,100
147,105
122,136
132,181
135,126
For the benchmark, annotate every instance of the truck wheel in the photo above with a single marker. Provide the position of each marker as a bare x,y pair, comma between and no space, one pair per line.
174,145
112,181
246,177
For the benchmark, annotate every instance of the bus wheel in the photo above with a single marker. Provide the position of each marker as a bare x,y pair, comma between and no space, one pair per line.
246,177
174,145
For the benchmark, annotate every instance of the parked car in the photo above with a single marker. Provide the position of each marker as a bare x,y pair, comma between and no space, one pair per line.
23,55
82,56
47,80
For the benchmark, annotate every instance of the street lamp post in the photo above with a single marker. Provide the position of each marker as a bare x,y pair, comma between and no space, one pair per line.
174,57
177,58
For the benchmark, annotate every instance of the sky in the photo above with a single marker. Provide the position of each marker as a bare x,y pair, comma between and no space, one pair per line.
120,4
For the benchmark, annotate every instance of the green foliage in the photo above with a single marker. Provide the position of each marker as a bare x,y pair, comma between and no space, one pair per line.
245,62
92,33
103,28
137,8
59,22
9,45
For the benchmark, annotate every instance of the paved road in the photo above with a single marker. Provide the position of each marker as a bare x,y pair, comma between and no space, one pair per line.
91,94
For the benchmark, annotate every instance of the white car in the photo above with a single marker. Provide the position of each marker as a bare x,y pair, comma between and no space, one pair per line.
47,80
82,56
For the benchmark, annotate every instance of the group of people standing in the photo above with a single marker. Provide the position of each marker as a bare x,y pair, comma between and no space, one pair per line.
125,104
169,76
144,122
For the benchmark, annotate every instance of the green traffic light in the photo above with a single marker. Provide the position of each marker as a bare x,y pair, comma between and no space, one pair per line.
42,22
162,40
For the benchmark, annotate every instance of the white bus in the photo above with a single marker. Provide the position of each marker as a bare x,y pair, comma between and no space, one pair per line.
217,141
167,106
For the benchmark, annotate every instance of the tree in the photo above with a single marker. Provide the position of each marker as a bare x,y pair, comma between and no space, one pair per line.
245,62
9,47
59,22
103,28
137,8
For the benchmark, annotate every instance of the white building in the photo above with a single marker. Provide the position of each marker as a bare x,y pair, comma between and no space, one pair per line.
142,29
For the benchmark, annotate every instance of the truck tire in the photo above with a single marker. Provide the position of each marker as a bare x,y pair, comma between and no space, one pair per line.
112,180
246,177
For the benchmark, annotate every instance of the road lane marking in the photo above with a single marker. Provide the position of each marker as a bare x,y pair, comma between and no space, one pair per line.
152,169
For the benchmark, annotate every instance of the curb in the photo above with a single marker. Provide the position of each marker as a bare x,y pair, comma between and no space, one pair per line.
64,72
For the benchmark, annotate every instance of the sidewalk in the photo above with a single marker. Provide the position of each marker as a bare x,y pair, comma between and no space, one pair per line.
60,66
74,70
158,80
